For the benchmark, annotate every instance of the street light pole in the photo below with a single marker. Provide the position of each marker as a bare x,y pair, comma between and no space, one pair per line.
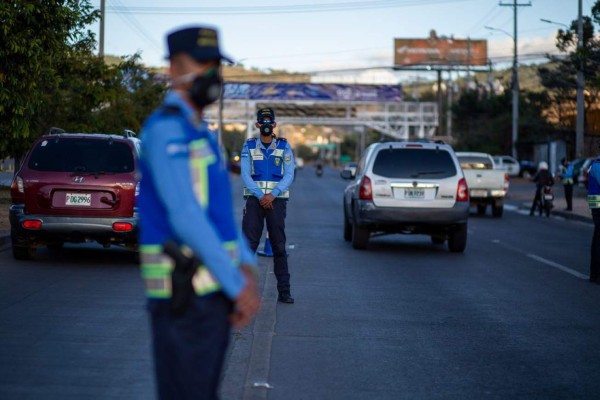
515,106
580,87
515,83
515,87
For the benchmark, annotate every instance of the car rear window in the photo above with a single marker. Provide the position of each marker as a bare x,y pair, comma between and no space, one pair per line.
474,162
82,155
414,163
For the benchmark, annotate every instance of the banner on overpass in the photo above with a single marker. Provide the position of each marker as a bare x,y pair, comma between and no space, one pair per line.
310,91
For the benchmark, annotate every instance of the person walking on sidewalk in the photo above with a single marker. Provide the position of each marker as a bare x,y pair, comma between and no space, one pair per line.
565,172
542,178
594,203
267,167
198,269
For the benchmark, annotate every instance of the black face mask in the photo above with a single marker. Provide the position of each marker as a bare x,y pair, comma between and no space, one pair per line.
266,129
206,89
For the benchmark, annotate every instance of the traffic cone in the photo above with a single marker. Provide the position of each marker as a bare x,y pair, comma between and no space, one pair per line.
267,250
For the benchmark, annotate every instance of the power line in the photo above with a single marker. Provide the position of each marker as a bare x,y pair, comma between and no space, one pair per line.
131,21
290,9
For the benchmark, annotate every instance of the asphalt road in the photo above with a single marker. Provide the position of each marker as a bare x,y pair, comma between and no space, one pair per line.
512,317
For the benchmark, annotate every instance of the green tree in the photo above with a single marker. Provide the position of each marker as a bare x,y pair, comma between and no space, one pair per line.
35,39
560,78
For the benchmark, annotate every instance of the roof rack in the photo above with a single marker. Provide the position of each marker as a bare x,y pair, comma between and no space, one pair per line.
129,133
55,131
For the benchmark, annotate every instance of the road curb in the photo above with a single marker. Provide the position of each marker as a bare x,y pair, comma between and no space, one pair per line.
563,214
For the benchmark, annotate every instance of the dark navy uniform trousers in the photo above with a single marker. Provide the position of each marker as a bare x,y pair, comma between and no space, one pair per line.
252,226
189,349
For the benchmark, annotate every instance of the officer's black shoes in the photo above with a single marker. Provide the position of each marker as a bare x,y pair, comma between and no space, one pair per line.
285,297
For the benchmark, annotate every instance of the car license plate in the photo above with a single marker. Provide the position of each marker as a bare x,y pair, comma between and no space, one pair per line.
78,199
414,194
478,193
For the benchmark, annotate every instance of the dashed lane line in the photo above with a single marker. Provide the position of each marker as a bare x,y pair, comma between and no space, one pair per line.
543,260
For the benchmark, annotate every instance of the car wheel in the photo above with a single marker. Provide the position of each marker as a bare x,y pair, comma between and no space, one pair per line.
457,241
20,247
360,237
481,209
347,229
21,252
437,240
497,210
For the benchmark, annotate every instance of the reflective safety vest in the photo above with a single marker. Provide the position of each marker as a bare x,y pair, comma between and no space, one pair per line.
594,186
267,166
208,178
567,175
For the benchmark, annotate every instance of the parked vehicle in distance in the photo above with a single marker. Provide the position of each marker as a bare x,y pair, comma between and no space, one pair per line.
350,166
508,164
75,187
487,185
409,188
527,169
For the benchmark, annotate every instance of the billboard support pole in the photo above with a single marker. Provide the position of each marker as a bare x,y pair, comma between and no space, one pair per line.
439,99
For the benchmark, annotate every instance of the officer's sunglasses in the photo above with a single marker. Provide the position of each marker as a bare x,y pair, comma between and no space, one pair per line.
266,121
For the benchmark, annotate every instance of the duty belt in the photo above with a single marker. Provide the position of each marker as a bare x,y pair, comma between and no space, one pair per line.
158,266
594,200
266,187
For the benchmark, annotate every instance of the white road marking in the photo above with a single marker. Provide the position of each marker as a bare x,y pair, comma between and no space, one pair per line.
543,260
556,265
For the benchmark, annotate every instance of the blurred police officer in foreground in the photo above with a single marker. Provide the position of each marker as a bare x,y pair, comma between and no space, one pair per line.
594,202
197,267
268,171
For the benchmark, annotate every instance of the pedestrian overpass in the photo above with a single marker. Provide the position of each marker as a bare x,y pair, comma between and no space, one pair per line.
378,107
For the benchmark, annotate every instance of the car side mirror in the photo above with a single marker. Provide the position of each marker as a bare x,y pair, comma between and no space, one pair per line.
345,174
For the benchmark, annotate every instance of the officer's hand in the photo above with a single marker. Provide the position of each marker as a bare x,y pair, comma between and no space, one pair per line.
267,201
248,301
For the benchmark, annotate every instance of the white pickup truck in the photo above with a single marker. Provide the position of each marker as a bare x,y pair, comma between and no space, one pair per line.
487,185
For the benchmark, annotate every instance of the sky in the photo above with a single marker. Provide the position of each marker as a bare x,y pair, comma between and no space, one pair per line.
313,36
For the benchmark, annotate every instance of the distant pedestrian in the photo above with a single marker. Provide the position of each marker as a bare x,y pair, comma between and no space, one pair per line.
565,172
542,178
198,269
594,203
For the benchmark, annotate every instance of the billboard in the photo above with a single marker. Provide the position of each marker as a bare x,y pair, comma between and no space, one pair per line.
445,51
309,91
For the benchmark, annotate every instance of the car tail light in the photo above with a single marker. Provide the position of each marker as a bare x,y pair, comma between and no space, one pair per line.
17,184
366,190
34,224
462,192
122,227
506,182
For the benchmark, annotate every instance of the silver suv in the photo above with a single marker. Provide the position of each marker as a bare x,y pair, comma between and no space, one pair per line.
410,188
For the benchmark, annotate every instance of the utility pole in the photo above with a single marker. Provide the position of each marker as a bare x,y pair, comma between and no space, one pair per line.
101,45
580,86
515,82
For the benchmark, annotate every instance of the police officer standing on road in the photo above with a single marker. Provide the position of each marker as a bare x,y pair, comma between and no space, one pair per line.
566,176
594,203
268,171
197,267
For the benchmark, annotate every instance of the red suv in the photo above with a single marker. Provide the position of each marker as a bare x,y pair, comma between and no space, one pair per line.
75,187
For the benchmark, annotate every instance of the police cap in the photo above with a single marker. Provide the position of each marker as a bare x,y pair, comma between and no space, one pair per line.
265,113
199,42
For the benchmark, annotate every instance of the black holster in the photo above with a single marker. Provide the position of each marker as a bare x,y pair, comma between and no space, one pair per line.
181,277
